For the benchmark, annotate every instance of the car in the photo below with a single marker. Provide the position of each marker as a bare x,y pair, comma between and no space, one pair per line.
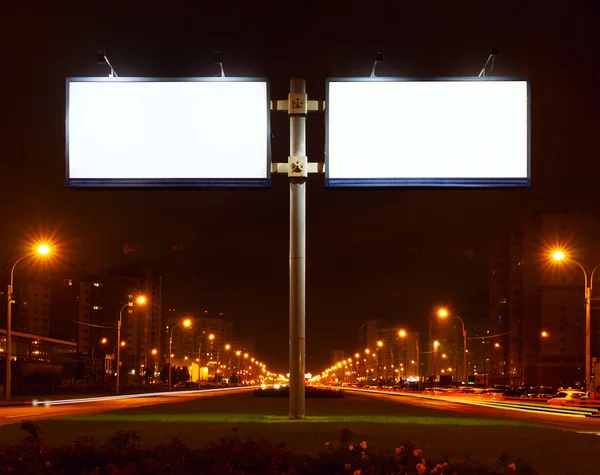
568,396
492,392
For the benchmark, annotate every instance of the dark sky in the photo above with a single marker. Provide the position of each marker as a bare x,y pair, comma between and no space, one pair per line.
371,254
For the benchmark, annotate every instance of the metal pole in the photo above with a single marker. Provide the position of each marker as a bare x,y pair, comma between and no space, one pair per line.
119,351
588,356
418,364
297,263
8,381
171,354
199,359
465,354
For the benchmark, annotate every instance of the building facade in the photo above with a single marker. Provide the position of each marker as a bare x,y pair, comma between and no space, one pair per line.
537,305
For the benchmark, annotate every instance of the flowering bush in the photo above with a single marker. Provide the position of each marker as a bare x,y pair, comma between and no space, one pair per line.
122,454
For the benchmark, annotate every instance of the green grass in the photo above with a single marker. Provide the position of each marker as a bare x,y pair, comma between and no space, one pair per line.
271,419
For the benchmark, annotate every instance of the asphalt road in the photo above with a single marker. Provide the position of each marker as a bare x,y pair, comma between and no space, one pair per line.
62,408
441,428
589,425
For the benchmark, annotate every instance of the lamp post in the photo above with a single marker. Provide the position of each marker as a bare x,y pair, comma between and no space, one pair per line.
210,337
379,346
140,300
186,323
228,350
443,313
402,334
41,250
436,346
103,341
560,256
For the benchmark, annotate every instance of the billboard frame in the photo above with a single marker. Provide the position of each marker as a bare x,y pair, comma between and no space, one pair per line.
162,183
428,183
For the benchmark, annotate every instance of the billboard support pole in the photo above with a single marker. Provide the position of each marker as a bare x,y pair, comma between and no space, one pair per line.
297,174
297,168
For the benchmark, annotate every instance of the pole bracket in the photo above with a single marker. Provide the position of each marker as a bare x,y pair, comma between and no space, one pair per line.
311,106
297,167
311,167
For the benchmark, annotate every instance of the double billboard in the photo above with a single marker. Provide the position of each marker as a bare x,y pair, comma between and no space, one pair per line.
129,132
390,132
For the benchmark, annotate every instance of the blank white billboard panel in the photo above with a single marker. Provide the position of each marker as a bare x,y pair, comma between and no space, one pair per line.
444,132
167,132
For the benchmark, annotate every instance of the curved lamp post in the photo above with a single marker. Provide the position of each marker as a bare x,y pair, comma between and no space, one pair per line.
140,300
560,256
186,323
42,250
443,313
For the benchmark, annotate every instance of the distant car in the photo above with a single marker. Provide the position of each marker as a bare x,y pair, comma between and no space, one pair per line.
569,396
492,392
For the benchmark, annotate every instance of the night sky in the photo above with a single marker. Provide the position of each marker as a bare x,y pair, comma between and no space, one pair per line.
390,254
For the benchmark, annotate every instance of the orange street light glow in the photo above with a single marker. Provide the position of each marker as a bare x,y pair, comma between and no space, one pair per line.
402,333
545,334
558,255
187,323
141,300
43,249
442,312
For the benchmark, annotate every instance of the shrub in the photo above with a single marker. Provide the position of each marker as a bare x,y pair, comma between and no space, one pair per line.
122,454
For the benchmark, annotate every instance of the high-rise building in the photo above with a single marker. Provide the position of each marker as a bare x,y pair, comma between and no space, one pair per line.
537,306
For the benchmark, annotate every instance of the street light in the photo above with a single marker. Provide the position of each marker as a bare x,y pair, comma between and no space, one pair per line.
559,256
210,337
443,313
402,334
43,250
186,323
141,300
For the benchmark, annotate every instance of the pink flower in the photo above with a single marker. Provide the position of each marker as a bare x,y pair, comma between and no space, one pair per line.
398,450
363,444
512,467
351,447
417,452
421,469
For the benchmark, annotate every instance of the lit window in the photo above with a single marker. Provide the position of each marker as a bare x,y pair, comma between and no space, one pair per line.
97,307
97,284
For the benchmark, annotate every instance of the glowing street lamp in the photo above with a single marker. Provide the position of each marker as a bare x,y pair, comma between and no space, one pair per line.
141,300
187,323
559,256
443,313
42,250
545,334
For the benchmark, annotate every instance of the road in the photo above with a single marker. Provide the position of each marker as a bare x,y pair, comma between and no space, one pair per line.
572,423
439,427
74,407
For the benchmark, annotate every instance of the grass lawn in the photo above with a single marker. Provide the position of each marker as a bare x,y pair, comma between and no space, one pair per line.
383,424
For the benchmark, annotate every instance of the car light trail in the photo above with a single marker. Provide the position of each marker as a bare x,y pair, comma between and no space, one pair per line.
37,403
